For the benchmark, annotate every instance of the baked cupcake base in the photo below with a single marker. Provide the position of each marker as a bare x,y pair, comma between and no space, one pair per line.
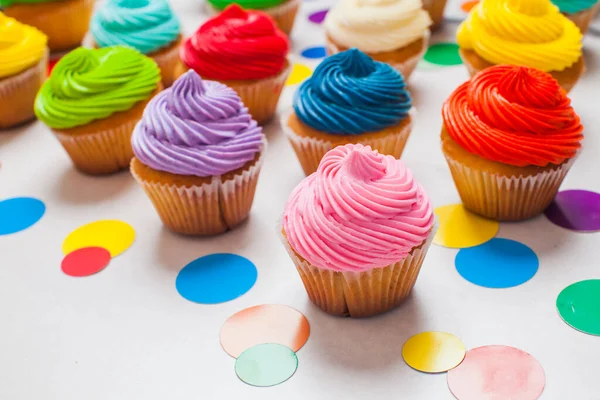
65,22
499,191
435,8
198,206
583,18
403,60
103,146
566,78
310,145
18,92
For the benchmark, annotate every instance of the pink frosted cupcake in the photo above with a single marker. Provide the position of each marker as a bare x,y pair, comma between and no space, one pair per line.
358,230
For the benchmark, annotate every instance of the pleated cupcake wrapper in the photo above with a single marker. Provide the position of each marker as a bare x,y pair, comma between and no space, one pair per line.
360,294
435,8
310,150
505,198
405,67
583,18
18,92
284,14
209,209
102,152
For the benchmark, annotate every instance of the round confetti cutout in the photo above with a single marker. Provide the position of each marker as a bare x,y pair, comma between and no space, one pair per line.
19,213
112,235
433,352
467,5
86,261
318,16
497,373
499,263
267,323
579,306
216,278
266,365
443,54
300,72
577,210
314,52
460,228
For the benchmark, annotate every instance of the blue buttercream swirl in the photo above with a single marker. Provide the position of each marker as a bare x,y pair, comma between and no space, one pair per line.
351,94
146,25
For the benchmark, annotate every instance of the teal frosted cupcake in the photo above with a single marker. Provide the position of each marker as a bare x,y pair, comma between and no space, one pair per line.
581,12
149,26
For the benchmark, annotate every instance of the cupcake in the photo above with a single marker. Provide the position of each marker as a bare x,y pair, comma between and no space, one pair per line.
92,101
150,26
530,33
198,154
349,99
510,136
283,12
245,51
581,12
435,8
65,22
24,59
393,32
358,230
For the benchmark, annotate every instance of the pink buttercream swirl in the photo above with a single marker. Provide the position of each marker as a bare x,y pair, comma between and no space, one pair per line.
360,210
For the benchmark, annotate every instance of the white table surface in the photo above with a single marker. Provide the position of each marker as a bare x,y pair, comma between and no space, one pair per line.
127,334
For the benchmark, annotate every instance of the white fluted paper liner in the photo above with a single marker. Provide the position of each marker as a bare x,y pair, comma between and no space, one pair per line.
504,198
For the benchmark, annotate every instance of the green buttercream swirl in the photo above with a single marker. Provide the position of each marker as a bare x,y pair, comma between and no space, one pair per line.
92,84
6,3
246,4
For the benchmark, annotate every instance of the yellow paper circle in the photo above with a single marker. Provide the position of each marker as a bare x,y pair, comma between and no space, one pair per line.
433,352
114,236
459,228
299,73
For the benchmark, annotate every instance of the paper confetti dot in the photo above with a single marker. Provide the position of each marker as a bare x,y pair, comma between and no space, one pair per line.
443,54
267,323
459,228
497,373
314,52
86,261
433,352
266,365
19,213
579,306
468,5
216,278
318,17
112,235
577,210
499,263
299,73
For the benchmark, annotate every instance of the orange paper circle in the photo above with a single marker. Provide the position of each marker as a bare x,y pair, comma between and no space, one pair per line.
267,323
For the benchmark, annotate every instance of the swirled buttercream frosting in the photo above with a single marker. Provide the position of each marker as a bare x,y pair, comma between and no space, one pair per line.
21,46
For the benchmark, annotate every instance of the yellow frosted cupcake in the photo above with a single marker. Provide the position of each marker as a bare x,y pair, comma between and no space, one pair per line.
23,63
530,33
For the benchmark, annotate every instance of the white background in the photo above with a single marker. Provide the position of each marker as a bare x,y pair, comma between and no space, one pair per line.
127,334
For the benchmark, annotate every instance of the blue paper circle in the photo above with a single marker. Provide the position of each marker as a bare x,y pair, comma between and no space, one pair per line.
216,278
19,213
314,52
498,263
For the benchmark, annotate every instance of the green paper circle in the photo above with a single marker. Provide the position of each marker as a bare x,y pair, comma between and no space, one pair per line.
266,364
443,54
579,306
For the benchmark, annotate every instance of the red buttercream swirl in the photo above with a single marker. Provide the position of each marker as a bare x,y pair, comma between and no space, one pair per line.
236,45
514,115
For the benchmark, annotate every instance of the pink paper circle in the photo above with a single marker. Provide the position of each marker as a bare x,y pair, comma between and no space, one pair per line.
497,373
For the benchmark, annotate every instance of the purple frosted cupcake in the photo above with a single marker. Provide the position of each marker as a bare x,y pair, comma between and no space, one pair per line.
198,154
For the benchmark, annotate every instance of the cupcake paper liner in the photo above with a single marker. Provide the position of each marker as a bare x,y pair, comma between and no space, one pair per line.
209,209
504,198
435,8
583,18
310,150
18,92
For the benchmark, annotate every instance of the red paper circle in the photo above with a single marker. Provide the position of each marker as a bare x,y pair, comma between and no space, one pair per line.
86,261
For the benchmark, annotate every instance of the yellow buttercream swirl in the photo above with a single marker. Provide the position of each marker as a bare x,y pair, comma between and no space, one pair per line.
530,33
21,46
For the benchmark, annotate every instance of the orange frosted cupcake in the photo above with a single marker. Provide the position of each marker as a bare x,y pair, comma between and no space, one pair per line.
531,33
23,64
245,51
65,22
92,101
510,136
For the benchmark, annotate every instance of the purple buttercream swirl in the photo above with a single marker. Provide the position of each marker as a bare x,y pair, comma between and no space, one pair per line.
196,128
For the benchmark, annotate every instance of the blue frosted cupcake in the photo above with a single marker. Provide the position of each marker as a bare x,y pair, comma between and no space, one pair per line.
349,99
149,26
581,12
